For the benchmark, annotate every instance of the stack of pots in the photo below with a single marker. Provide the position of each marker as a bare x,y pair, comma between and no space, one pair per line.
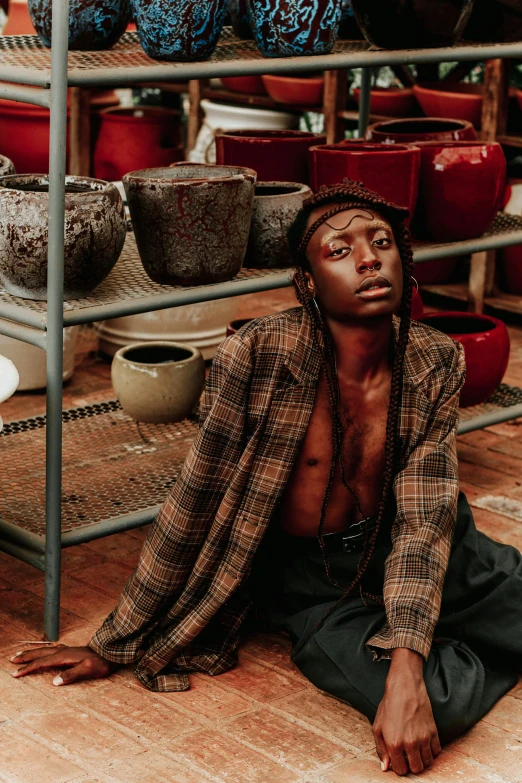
434,167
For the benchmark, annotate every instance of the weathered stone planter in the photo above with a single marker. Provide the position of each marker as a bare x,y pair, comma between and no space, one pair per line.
191,221
275,206
6,166
158,382
94,234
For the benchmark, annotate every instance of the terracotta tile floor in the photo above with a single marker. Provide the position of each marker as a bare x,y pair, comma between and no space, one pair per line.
261,723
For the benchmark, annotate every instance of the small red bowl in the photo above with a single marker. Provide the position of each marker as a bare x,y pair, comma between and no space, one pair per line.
486,349
294,91
249,84
389,101
459,101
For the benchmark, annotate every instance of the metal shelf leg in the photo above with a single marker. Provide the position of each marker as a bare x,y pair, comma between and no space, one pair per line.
53,548
364,100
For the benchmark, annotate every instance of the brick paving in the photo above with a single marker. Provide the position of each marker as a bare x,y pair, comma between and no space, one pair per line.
260,723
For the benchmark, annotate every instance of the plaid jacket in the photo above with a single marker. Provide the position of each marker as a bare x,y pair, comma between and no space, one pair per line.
182,608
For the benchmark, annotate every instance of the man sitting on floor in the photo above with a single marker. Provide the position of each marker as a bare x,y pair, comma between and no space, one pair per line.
323,487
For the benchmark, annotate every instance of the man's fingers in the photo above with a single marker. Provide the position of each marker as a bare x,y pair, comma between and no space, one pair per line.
26,656
435,746
82,671
398,761
44,663
426,754
382,751
415,761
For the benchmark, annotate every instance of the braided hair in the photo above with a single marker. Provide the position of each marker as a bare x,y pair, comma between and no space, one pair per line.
348,195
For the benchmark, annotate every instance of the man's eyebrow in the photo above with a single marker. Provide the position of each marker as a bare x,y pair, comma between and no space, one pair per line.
373,225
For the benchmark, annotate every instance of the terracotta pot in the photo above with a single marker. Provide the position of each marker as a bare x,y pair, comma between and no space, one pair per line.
6,166
397,24
461,189
275,206
136,138
486,348
18,19
439,270
238,10
495,21
295,91
24,131
389,102
390,170
414,129
158,382
460,101
290,29
234,326
191,221
94,234
511,257
274,155
201,325
93,24
179,30
253,85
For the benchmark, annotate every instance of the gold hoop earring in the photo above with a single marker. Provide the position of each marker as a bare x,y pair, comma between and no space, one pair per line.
319,315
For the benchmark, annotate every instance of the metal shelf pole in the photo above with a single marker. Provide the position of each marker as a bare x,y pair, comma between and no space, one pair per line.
58,103
364,101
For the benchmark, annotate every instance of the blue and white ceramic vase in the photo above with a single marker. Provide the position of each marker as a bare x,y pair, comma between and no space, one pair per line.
289,28
179,30
93,24
238,10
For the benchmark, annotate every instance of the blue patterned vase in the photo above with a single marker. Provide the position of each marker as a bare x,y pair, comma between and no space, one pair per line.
238,11
93,24
289,28
179,30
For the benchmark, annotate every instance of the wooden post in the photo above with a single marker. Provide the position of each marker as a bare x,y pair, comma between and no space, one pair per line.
494,120
80,132
334,101
195,118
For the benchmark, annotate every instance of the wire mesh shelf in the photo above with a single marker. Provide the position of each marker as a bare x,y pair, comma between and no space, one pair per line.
114,466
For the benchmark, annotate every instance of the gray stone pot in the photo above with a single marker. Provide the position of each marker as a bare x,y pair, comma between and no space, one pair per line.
191,220
275,206
7,166
158,382
94,234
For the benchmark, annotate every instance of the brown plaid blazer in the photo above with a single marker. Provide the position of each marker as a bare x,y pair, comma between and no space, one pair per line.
182,608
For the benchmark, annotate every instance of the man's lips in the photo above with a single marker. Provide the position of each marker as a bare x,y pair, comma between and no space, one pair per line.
373,283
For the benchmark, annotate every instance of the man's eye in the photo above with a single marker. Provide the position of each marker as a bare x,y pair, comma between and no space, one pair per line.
338,251
382,241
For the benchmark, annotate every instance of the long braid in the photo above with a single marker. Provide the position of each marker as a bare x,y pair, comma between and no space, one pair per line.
345,196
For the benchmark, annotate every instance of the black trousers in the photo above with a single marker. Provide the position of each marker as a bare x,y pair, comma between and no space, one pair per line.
477,651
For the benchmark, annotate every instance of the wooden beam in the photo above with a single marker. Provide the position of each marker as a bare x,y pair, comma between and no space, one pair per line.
80,132
495,104
334,102
481,279
195,118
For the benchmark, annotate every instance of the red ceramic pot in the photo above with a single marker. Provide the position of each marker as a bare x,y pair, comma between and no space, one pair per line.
511,265
438,271
413,129
460,101
134,138
292,90
461,189
389,102
417,306
486,348
277,155
390,170
253,85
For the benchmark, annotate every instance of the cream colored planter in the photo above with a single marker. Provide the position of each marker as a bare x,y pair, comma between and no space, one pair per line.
8,381
30,361
158,382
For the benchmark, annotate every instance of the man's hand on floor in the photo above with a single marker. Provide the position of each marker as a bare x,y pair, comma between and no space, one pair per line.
80,663
405,733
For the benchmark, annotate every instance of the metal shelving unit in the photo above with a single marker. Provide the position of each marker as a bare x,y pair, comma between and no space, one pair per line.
100,435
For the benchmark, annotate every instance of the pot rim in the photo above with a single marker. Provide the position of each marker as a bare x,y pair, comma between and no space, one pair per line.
121,113
293,188
271,135
195,353
70,179
430,143
429,87
489,320
384,125
360,148
293,79
158,174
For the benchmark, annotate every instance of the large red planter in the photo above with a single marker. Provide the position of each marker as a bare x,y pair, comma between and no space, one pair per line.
275,155
460,101
139,137
414,129
461,189
486,348
392,170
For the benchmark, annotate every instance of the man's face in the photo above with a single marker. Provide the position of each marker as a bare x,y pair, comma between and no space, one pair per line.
350,252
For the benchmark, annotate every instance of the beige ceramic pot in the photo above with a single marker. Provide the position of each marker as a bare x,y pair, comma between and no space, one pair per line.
158,382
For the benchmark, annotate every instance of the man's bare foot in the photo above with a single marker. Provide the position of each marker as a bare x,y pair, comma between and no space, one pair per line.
79,663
